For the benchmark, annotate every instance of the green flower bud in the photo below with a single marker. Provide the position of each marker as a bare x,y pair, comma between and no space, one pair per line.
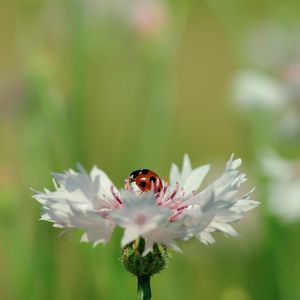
148,265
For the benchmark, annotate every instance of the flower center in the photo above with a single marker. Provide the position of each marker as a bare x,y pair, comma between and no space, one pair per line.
140,219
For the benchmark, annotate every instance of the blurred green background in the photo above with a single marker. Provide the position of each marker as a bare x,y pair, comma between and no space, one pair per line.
125,85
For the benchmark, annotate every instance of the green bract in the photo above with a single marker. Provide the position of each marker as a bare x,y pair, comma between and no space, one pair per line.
148,265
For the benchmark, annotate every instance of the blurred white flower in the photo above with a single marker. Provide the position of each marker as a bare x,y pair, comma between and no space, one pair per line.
272,84
253,89
177,211
283,190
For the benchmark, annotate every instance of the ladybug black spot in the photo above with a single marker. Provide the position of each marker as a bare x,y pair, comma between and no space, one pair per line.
142,184
145,171
153,179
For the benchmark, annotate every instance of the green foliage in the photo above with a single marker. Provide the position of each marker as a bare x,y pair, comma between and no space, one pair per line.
79,86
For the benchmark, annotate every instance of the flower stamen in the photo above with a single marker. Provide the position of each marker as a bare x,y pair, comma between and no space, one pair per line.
115,195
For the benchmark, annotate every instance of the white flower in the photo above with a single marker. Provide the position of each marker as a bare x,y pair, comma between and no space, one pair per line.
283,189
253,89
80,201
257,91
217,206
179,211
139,216
271,82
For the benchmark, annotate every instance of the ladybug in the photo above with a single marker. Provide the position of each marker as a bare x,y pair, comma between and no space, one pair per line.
146,180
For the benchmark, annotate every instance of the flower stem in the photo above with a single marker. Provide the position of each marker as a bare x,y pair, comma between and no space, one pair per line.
144,288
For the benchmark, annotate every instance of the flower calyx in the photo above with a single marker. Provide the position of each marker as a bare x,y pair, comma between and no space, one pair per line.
141,265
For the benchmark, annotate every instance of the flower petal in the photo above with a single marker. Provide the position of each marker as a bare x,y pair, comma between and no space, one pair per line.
195,179
76,203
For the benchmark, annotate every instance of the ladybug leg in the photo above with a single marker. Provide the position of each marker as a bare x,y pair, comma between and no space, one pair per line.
127,184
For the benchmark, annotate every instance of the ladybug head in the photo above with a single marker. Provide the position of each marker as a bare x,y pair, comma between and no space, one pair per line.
133,175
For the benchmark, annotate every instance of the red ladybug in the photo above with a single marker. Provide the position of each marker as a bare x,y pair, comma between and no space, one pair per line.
146,180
